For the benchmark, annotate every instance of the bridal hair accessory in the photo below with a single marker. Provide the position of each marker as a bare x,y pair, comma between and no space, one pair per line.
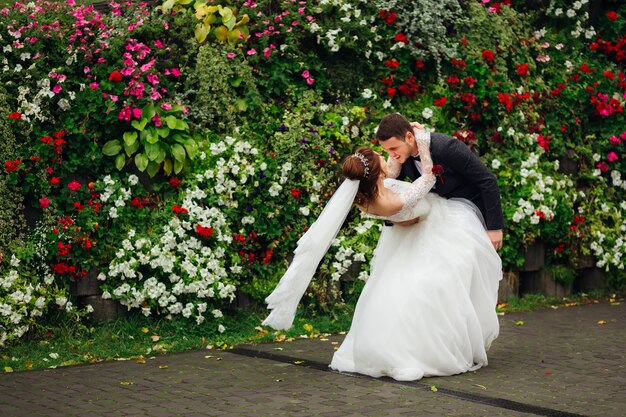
366,164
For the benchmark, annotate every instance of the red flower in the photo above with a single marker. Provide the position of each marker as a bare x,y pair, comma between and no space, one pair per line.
204,231
392,64
115,76
137,203
174,182
179,210
612,16
295,193
55,181
78,206
609,75
419,64
453,79
391,17
603,167
44,203
544,142
391,92
470,81
465,135
522,69
488,55
438,171
11,166
459,63
74,186
440,102
16,115
268,256
401,37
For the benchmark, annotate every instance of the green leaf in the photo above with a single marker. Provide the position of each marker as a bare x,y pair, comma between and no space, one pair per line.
171,122
236,81
167,166
161,157
152,150
139,124
153,136
242,105
178,166
112,147
130,138
153,168
182,125
120,161
130,150
233,36
149,111
221,33
141,160
192,148
163,131
178,152
202,31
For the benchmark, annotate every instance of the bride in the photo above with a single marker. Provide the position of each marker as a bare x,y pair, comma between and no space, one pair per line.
428,308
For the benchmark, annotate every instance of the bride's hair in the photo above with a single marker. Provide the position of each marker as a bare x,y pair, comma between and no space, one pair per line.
363,165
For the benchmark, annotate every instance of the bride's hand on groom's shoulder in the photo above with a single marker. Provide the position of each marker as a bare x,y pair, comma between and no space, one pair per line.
407,222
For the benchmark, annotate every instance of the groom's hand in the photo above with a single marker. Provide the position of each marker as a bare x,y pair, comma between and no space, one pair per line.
496,238
408,222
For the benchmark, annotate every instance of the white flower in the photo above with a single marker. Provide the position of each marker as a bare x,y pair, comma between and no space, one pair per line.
517,216
305,211
558,12
570,13
89,308
367,93
495,164
427,113
386,104
113,212
61,301
221,328
217,313
64,104
133,179
54,355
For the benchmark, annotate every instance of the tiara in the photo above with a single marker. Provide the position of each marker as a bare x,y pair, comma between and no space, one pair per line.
366,164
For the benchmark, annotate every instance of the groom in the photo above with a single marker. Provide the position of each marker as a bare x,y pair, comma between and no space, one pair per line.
460,173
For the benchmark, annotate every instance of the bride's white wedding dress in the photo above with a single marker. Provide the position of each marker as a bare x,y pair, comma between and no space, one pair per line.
428,307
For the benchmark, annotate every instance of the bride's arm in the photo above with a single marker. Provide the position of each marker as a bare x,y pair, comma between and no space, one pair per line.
421,186
393,167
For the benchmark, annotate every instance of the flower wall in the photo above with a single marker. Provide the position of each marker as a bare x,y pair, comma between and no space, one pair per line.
182,160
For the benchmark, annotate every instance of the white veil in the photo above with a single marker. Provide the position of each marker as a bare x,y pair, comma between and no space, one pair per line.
312,247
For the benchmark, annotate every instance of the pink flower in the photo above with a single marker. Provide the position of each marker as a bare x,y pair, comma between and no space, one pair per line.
614,140
44,203
310,81
86,70
113,98
155,95
152,79
74,185
612,157
166,106
251,52
158,44
125,114
157,120
127,71
230,55
305,74
137,113
267,52
57,89
94,86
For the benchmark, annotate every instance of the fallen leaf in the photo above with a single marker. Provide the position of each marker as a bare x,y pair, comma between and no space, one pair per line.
29,365
144,330
278,380
8,369
615,303
323,339
519,323
126,383
298,362
308,327
163,367
280,338
433,388
155,338
334,343
481,386
141,360
279,348
602,322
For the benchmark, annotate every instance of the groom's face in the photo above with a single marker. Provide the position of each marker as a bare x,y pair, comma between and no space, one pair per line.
398,149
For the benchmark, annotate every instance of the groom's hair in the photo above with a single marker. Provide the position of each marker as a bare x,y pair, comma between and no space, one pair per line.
393,125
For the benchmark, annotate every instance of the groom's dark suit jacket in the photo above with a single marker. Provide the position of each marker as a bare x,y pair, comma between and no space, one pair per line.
464,176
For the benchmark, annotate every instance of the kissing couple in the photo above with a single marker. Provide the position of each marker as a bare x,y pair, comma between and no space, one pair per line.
428,307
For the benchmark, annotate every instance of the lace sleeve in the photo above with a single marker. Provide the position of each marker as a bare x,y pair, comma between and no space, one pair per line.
421,186
393,168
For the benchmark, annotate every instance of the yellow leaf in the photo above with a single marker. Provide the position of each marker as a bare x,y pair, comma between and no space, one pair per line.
201,32
519,323
278,348
8,369
155,338
163,367
602,322
280,338
29,365
144,330
141,360
298,362
433,388
221,33
308,327
126,383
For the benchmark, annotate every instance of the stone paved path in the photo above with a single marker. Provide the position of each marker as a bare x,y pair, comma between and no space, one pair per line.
558,363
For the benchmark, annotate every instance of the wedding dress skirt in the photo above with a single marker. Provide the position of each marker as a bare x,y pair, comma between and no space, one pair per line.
428,308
